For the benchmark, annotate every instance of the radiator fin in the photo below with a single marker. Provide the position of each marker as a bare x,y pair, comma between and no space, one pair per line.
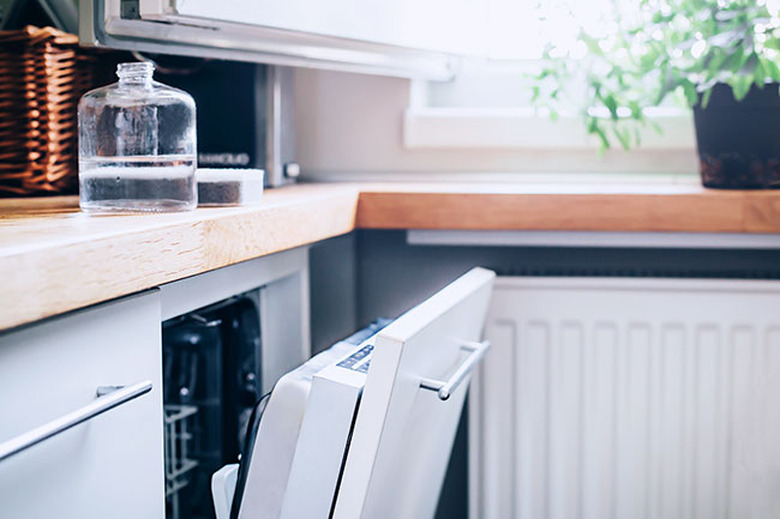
640,399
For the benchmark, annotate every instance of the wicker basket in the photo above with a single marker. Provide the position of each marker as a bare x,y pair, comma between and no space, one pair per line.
43,73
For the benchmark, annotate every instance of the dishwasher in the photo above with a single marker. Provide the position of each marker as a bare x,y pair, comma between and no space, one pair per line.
364,430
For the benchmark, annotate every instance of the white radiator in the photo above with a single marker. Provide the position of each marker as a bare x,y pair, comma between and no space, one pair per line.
606,398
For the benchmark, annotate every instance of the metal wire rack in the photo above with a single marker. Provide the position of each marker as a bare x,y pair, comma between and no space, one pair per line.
178,464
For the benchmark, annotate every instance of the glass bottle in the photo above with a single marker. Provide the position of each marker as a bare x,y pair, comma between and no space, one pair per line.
137,149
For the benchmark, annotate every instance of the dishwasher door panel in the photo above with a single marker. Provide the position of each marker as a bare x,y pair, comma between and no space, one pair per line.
411,404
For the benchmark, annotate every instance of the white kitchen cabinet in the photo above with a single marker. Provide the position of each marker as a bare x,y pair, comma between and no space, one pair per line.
407,38
110,466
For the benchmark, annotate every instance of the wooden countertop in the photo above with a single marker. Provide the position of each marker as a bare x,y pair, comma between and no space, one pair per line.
568,207
55,259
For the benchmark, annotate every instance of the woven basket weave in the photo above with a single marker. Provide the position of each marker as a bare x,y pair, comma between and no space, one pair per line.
43,73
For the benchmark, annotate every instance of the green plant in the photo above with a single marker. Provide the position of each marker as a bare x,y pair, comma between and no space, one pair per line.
667,49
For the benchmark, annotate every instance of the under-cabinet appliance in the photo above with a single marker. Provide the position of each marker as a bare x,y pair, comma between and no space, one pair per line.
245,114
403,37
364,429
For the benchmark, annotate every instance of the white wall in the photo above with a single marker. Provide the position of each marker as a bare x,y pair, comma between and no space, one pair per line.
351,126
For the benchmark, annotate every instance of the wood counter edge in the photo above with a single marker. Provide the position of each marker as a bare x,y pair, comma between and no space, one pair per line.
697,212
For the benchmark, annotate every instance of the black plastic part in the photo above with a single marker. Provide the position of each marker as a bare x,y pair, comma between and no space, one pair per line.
246,456
227,96
739,142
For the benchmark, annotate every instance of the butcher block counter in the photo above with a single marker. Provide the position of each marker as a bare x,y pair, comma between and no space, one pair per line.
55,259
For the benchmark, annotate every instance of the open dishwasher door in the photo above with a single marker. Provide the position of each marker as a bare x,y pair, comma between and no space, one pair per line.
365,429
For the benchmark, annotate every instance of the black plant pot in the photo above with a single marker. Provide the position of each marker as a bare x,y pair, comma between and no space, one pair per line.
739,142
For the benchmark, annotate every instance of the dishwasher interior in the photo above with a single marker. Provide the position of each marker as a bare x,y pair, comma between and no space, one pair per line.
211,372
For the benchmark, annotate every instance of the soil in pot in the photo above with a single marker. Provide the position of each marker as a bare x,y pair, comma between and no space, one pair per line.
739,142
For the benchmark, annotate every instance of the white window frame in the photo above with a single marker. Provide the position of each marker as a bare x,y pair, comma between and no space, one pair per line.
524,128
429,123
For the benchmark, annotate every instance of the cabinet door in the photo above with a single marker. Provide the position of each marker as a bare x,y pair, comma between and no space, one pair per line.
448,26
110,466
408,38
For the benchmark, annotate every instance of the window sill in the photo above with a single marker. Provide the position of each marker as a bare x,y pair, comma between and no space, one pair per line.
522,129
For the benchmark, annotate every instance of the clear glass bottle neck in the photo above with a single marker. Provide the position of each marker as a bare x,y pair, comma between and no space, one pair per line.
135,74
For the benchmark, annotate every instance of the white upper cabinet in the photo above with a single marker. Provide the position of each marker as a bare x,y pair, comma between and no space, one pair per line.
396,37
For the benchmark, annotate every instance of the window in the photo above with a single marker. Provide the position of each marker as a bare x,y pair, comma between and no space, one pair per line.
488,104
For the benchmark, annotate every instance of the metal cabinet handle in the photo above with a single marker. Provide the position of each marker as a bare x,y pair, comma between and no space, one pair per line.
445,389
108,398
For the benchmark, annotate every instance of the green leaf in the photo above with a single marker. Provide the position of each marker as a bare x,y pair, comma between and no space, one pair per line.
734,62
594,128
749,67
714,60
649,57
772,43
771,70
705,98
726,39
605,144
759,74
741,86
636,110
623,137
591,43
611,103
691,95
